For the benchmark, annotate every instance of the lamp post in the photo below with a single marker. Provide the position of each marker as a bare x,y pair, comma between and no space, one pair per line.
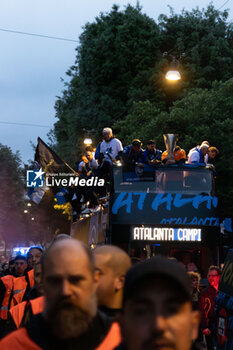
87,141
173,73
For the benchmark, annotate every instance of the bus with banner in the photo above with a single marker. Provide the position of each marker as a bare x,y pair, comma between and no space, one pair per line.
168,209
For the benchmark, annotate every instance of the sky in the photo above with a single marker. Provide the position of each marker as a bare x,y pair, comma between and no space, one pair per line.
31,67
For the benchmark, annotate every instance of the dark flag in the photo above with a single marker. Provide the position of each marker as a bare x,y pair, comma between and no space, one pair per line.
49,160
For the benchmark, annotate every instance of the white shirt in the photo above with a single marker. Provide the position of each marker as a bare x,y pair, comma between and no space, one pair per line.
113,147
194,156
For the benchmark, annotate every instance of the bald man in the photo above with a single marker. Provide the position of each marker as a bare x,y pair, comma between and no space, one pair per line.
112,264
70,319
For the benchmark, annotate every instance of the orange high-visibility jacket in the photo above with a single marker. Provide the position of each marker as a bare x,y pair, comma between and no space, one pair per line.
112,339
20,340
8,282
17,312
20,286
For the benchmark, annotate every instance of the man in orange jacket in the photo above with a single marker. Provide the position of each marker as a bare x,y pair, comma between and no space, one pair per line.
21,313
70,318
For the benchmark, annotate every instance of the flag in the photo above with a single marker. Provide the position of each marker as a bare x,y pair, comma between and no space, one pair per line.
36,193
49,160
61,195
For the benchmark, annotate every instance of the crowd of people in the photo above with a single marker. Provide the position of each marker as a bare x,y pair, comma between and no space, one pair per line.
99,161
72,297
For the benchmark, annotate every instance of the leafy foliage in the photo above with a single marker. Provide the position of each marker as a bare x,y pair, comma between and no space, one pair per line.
11,195
118,81
202,115
119,62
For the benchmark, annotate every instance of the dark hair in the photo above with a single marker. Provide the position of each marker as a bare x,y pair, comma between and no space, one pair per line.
151,142
20,257
214,267
137,142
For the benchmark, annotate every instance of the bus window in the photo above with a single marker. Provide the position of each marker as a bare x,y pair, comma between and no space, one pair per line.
164,180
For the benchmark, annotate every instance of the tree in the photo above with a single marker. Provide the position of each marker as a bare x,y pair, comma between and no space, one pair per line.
114,67
11,196
119,64
201,115
206,39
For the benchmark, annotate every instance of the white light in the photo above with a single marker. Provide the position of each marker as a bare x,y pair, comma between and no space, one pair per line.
167,234
87,141
29,205
25,211
33,219
173,75
22,250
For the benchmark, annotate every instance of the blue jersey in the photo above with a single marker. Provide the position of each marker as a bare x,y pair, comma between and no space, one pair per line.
154,155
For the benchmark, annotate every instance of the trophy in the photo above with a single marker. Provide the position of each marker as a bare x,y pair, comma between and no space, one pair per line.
170,143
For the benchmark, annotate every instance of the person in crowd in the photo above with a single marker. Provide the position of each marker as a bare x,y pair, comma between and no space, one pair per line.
89,148
21,314
157,307
197,154
85,196
3,259
20,265
195,285
5,269
112,264
211,154
151,154
207,304
15,290
12,266
87,168
110,148
33,256
88,164
178,157
70,319
108,152
6,285
97,152
133,155
187,263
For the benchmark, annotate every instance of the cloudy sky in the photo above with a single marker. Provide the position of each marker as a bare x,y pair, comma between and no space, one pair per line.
31,67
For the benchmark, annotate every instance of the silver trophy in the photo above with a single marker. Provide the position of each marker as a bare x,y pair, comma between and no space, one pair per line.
170,143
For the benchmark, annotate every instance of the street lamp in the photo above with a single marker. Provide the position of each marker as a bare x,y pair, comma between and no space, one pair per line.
25,211
87,141
173,74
